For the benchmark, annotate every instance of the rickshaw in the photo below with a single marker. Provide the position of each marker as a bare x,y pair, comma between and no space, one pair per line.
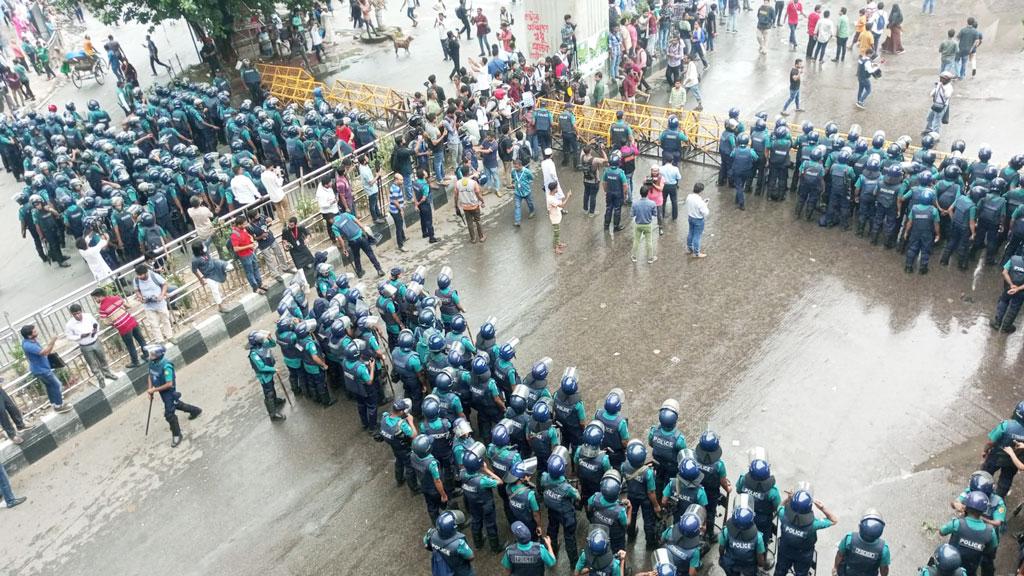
84,67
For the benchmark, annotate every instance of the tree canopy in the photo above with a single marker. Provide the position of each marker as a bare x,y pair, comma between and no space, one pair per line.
215,17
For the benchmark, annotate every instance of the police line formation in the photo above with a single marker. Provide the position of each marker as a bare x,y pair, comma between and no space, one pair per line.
85,177
534,445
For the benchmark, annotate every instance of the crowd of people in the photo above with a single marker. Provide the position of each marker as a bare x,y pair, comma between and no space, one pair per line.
466,421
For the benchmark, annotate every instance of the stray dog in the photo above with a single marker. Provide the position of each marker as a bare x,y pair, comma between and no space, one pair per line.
402,42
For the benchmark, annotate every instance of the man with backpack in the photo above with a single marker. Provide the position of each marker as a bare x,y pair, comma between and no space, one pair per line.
151,289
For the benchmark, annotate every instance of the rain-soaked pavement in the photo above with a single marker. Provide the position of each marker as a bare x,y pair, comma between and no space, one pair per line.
874,385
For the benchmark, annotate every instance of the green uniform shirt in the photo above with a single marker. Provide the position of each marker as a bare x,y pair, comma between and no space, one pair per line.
723,540
844,545
545,556
695,558
519,488
309,346
702,496
615,567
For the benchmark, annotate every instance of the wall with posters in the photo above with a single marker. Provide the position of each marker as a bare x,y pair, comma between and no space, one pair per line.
544,20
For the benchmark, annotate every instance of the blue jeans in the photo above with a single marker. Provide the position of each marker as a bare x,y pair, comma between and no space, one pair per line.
439,164
5,486
615,58
518,213
252,271
493,177
694,234
863,90
662,40
950,67
485,46
961,64
53,387
792,34
935,120
928,6
794,98
407,185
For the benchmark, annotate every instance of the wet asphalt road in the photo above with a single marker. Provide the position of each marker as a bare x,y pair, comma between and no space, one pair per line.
876,386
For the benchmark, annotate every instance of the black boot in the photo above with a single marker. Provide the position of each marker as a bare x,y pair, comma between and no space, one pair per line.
279,402
493,541
478,540
172,420
272,409
923,270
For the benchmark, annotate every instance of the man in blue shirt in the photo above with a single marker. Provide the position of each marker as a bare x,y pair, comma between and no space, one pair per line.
488,150
643,213
522,179
396,207
39,365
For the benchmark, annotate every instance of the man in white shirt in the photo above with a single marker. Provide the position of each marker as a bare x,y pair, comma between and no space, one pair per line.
941,94
696,211
273,183
823,33
327,201
242,187
83,330
547,168
670,176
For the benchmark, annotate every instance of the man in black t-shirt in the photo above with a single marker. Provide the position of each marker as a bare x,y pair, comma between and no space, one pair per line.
795,76
765,19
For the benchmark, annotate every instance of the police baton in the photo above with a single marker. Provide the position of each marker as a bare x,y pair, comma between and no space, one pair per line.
284,389
149,415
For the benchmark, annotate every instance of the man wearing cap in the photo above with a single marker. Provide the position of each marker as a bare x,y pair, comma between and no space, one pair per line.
83,330
548,169
941,94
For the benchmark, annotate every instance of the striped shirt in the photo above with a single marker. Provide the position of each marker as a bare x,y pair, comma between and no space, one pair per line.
396,200
114,311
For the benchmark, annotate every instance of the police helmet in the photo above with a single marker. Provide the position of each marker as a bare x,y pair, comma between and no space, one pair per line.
614,159
94,105
760,124
871,526
760,469
689,470
952,172
611,485
802,502
455,358
831,128
443,381
147,219
878,140
734,113
636,453
984,153
709,441
668,414
613,401
526,467
743,140
731,125
742,517
1017,161
155,352
689,525
517,400
421,444
673,122
499,435
542,410
958,146
894,151
947,558
1018,411
479,365
874,163
471,462
556,465
436,342
844,156
352,351
925,178
570,382
539,371
257,338
977,193
593,433
860,146
507,350
807,127
597,541
997,186
487,329
818,152
976,500
444,279
431,407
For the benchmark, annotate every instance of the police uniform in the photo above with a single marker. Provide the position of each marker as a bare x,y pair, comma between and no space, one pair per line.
560,499
798,533
973,538
162,372
453,551
615,436
639,485
766,501
738,549
1005,434
262,361
530,559
398,433
960,225
591,464
611,515
477,493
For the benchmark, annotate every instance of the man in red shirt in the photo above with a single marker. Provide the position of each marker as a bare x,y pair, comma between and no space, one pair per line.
114,312
344,133
245,248
794,10
812,25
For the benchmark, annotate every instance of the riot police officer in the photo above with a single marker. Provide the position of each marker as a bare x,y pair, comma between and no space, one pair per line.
685,489
619,133
778,162
742,168
163,380
866,188
841,179
944,562
741,547
570,143
291,353
666,442
963,223
542,124
759,483
922,231
486,398
671,141
1005,435
428,475
708,455
522,498
638,476
864,553
798,532
541,433
616,190
591,461
683,540
561,499
398,429
812,183
885,223
439,429
451,404
726,144
312,363
537,381
975,540
505,375
502,457
606,509
448,546
409,370
262,361
569,410
991,212
477,485
1012,296
597,558
526,557
616,428
447,297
